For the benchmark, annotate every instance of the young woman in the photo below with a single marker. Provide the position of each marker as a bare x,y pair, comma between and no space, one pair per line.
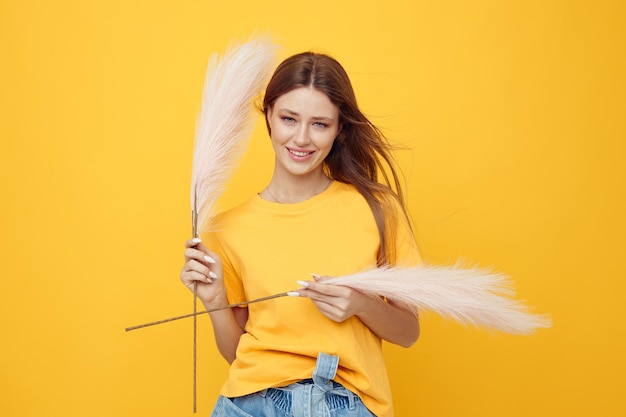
324,213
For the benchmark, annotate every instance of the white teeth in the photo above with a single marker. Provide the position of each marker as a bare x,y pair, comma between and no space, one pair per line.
296,153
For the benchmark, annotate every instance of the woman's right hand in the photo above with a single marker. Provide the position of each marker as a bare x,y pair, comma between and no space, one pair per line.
204,268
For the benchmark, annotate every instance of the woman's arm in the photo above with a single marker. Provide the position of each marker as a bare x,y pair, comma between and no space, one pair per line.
228,326
204,268
395,325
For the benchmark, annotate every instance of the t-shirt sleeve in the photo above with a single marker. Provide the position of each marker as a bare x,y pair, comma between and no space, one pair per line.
232,278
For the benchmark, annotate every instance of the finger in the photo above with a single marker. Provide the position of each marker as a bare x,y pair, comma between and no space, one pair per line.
200,268
190,277
303,284
318,298
319,278
329,290
330,306
309,289
196,243
191,253
193,242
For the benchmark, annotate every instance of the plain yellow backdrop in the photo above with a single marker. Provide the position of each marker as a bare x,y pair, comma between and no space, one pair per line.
514,113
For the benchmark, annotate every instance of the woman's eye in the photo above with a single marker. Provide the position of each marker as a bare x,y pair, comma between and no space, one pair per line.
288,119
320,124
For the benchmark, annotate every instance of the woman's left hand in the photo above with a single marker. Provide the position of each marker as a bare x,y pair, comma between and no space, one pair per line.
336,302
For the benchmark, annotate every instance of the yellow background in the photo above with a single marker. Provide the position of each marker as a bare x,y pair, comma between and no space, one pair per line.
514,113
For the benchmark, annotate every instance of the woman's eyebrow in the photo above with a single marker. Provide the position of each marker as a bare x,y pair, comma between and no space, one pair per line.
295,113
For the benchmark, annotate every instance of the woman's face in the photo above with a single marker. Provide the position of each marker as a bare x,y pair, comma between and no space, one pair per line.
304,124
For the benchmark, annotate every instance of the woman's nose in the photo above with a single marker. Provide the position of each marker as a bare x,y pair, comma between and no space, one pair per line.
301,137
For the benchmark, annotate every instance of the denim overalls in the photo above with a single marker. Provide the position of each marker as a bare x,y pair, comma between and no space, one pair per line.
316,397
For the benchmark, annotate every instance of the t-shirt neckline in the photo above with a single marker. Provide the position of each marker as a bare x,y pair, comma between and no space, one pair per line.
302,205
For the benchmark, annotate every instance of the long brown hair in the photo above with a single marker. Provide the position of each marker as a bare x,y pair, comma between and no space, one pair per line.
360,153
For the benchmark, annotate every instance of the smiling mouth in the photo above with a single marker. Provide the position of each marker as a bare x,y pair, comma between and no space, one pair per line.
299,153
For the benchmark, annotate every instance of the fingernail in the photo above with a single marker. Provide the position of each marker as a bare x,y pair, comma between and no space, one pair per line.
212,274
293,294
209,259
303,283
315,276
196,240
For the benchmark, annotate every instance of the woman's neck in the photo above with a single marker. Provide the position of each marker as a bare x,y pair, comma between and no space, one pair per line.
297,190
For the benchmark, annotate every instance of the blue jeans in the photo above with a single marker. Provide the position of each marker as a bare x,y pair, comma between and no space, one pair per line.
316,397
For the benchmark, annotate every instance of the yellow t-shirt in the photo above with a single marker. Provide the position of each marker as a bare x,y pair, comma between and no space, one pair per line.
265,247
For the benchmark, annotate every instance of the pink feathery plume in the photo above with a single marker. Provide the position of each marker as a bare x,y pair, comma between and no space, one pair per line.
222,133
226,121
471,296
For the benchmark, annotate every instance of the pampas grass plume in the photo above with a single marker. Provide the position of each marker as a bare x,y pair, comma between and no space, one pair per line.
226,120
470,296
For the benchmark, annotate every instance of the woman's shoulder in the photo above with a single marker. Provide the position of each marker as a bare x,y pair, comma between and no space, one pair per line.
349,192
230,221
342,190
233,213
